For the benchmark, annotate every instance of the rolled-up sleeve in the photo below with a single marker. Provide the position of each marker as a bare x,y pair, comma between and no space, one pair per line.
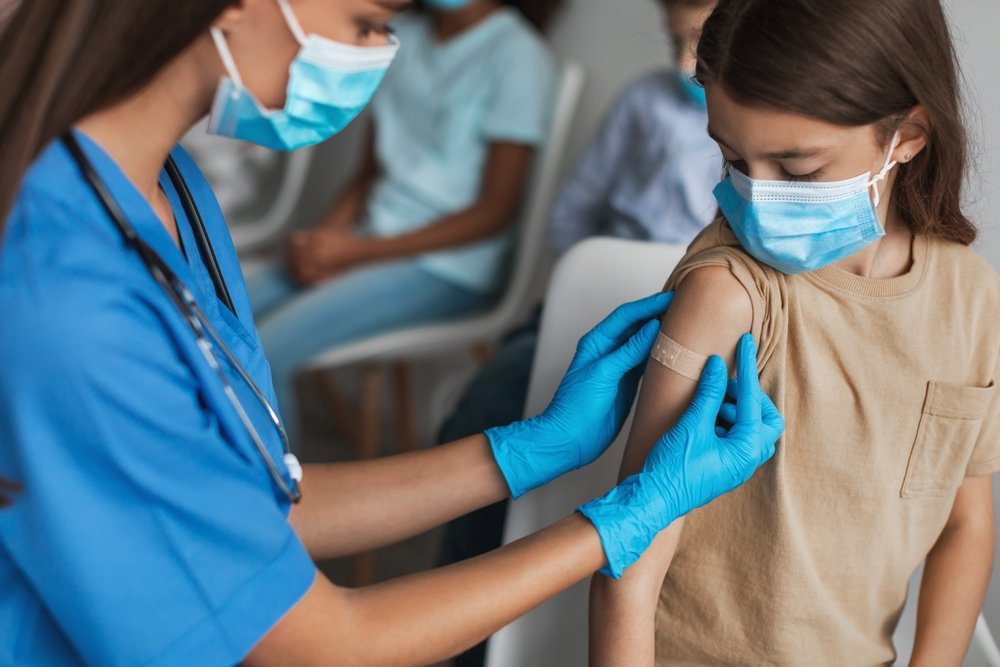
148,536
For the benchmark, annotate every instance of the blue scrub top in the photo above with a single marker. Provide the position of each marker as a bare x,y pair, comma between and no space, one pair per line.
149,531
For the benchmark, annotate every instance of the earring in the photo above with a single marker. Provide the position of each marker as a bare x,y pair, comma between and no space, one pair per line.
907,157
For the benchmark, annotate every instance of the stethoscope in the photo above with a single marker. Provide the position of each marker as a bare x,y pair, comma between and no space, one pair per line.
205,334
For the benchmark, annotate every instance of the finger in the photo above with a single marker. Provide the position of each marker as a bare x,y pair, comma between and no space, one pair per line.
747,382
634,351
704,408
617,326
727,413
770,415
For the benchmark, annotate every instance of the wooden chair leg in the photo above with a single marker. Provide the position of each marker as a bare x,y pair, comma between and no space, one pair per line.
344,419
370,394
403,383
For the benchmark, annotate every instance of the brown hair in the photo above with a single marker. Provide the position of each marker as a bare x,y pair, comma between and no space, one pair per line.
61,60
852,63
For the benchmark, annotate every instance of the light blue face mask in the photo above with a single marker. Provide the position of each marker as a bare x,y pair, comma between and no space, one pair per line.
329,84
797,227
693,91
446,4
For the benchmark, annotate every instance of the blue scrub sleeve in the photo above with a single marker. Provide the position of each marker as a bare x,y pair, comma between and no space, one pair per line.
148,537
521,107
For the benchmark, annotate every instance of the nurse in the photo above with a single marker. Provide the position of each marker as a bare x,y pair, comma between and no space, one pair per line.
155,522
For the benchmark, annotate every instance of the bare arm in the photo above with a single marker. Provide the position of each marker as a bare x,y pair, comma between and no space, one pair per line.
347,209
331,250
622,612
427,617
955,577
349,508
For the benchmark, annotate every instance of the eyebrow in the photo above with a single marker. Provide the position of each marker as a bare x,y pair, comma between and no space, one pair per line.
787,154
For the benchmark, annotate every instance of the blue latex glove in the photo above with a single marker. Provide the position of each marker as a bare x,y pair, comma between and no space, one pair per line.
692,464
591,404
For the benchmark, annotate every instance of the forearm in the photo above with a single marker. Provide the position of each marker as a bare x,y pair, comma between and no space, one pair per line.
349,508
623,612
956,574
427,617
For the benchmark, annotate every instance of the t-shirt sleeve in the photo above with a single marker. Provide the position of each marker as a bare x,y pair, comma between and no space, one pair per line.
717,246
148,537
521,105
985,458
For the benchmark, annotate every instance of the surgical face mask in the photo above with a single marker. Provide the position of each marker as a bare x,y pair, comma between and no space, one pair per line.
692,91
797,227
329,84
447,4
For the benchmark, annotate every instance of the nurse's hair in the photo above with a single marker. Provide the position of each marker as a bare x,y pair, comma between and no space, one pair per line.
853,63
61,60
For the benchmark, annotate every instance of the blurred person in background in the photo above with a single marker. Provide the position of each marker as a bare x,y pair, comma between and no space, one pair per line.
421,233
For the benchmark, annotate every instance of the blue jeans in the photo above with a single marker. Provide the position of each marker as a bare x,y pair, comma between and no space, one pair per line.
296,323
496,397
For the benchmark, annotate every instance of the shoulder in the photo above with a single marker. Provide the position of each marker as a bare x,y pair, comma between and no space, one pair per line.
721,275
517,42
965,274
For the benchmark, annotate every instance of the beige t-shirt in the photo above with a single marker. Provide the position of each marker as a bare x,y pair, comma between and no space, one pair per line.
886,386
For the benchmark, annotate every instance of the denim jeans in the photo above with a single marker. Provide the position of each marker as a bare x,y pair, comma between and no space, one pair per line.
296,323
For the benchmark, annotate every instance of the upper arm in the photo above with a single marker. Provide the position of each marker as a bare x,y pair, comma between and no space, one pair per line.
973,506
146,535
505,177
709,314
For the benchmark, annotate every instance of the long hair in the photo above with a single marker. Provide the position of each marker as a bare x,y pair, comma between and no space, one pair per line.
61,60
853,63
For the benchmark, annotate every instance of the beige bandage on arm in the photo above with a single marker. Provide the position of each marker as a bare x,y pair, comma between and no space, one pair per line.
678,358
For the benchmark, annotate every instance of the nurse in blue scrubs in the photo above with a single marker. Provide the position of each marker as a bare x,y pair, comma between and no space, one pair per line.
159,519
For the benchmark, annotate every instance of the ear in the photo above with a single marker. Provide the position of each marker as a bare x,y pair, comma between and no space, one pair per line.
233,15
913,133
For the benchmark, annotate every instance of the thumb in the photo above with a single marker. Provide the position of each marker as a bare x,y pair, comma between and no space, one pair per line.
711,392
636,349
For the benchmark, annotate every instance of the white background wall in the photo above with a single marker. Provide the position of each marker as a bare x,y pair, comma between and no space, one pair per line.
617,40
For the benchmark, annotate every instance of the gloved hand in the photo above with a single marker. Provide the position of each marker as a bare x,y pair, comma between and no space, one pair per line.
691,464
591,404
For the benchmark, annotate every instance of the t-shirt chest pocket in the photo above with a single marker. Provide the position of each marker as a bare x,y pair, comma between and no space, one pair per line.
949,425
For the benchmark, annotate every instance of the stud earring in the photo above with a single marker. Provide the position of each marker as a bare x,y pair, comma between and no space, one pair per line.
907,157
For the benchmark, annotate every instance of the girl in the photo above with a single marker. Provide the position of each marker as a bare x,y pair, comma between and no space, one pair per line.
418,235
845,249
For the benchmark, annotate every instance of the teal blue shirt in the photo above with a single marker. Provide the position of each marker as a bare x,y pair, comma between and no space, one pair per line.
440,107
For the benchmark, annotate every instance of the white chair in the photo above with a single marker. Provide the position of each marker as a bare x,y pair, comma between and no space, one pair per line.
588,283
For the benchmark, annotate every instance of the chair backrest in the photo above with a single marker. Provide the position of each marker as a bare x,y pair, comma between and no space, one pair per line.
275,220
527,265
529,251
588,283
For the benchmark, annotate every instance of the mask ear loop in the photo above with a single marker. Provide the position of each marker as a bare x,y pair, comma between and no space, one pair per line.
227,56
293,22
887,166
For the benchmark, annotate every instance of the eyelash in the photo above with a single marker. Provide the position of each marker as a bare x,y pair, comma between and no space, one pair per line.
808,178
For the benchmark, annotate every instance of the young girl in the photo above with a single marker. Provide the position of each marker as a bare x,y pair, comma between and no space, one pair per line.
419,234
844,249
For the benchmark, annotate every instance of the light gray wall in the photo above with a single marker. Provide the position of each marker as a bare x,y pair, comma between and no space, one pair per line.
975,23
